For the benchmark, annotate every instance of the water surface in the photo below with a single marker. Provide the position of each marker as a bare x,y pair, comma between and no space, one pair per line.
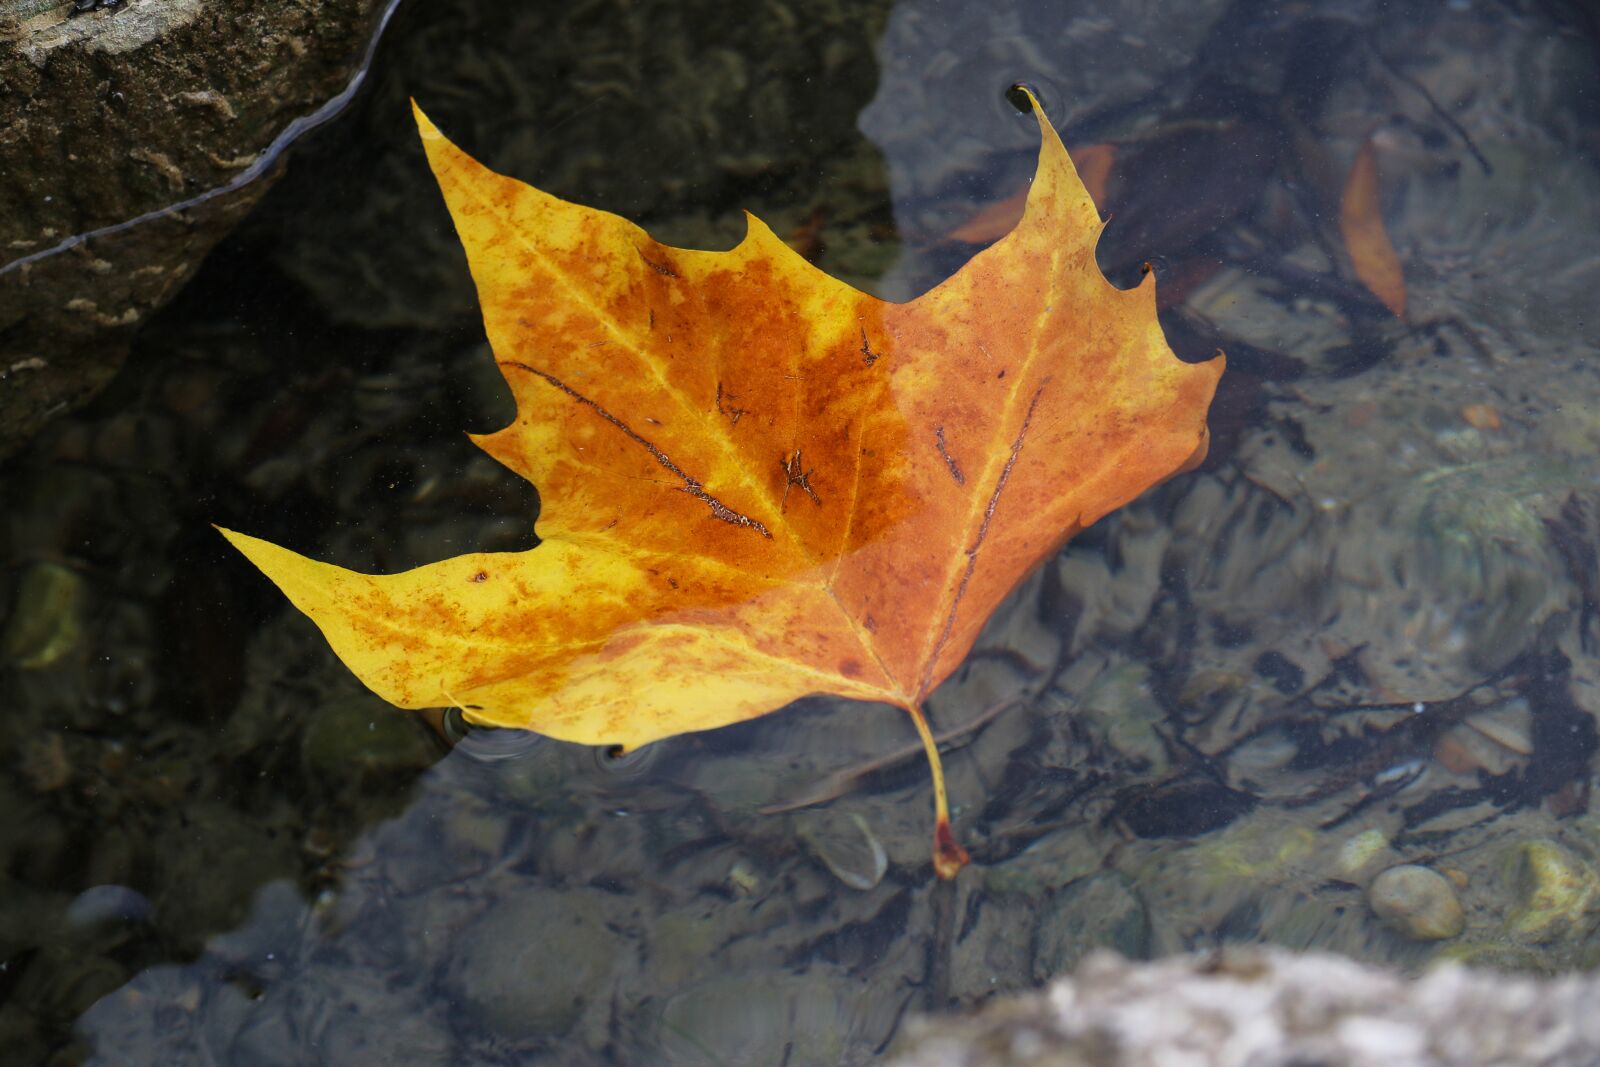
1361,636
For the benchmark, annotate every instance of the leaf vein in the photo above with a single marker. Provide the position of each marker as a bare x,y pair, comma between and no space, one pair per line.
690,485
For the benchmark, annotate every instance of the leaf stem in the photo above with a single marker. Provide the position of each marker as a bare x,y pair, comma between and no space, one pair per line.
948,856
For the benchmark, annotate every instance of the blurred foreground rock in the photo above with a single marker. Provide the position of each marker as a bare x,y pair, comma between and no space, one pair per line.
1269,1008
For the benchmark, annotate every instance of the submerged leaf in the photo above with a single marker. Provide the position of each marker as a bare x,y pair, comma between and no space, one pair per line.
1366,238
756,482
995,221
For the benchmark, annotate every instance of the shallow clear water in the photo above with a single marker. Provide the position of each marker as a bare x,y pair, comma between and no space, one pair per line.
1361,636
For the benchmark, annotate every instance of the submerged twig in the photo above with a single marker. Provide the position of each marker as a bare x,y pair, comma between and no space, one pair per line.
1438,109
841,782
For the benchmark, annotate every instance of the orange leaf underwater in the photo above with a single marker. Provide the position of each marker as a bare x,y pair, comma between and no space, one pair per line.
1365,237
756,482
999,218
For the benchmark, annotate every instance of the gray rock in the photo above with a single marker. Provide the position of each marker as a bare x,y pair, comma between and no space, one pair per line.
803,1020
845,844
117,115
122,1025
1100,912
530,965
107,905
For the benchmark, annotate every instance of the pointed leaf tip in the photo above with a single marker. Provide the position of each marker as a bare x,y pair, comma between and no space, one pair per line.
425,127
1037,109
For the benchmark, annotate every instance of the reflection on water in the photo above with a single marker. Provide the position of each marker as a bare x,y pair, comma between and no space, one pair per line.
1361,638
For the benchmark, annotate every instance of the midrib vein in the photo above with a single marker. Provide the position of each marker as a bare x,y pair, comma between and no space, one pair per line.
996,453
724,443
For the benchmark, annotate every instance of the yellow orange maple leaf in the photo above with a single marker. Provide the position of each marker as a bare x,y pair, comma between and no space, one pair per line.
756,482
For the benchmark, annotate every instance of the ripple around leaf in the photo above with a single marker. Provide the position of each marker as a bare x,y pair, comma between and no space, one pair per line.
623,764
496,744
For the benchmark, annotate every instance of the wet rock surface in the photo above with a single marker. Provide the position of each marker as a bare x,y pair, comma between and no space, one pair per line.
1362,636
114,114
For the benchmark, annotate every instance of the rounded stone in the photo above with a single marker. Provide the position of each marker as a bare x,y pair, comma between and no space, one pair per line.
108,905
1554,890
1102,911
360,738
805,1020
46,623
846,845
1417,903
529,965
1359,851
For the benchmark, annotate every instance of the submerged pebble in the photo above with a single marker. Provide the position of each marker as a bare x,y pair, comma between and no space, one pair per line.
360,736
1103,911
1417,903
45,625
1359,851
103,905
1464,750
1121,703
1509,726
799,1020
846,845
529,966
1556,892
